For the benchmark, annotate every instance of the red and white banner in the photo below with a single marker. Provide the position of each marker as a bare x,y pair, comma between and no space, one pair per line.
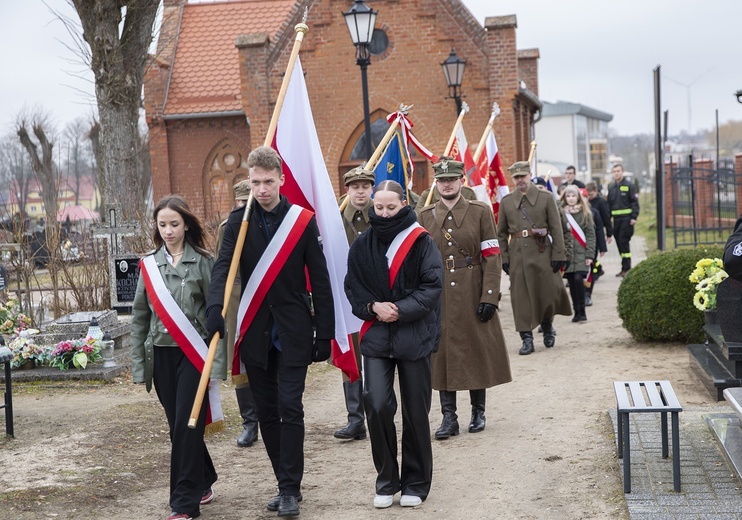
577,231
405,126
461,152
490,167
308,185
180,329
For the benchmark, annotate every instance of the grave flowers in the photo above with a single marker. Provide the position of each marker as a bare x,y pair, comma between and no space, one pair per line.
76,353
707,275
26,353
12,320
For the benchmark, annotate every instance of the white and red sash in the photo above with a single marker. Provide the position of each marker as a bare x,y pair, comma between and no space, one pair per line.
577,231
270,264
180,329
396,255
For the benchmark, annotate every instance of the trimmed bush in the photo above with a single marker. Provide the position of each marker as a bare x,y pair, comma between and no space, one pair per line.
655,299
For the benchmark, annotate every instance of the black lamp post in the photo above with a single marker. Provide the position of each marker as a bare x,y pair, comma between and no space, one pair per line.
361,20
739,96
453,70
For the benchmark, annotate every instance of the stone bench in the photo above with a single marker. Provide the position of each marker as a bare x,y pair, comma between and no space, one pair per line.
642,397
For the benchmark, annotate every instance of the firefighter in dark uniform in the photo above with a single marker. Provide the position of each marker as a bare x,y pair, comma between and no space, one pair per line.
623,201
359,184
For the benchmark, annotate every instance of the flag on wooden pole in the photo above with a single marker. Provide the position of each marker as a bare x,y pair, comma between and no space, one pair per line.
308,185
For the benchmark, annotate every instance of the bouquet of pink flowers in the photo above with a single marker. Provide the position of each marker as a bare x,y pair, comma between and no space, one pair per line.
75,353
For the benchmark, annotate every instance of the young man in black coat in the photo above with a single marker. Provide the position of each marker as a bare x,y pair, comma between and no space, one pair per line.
277,339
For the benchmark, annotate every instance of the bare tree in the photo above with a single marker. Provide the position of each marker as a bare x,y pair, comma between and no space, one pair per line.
78,152
117,34
15,171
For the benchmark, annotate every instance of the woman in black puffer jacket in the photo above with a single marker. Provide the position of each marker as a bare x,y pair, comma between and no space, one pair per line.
402,329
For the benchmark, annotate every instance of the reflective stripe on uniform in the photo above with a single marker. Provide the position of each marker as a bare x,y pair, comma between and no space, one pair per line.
625,255
616,212
623,188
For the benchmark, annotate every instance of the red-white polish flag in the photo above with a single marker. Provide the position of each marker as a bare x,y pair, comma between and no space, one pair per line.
308,185
462,153
497,185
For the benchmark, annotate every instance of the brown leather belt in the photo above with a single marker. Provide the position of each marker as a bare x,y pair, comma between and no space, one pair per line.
523,234
458,263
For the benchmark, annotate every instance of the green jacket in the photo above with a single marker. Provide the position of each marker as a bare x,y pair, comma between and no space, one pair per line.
188,283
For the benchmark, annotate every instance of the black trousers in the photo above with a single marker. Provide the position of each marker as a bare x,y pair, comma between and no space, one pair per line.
191,469
415,386
576,288
623,231
278,392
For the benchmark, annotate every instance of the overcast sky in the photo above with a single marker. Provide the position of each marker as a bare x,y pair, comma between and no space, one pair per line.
594,52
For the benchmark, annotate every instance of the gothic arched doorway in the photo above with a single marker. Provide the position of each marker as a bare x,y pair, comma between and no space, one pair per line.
225,165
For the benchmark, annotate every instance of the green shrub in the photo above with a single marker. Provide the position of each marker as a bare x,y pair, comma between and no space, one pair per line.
655,300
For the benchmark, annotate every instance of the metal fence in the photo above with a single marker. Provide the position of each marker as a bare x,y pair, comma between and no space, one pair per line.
704,202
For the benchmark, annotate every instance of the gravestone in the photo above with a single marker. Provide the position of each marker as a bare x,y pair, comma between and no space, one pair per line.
718,362
123,267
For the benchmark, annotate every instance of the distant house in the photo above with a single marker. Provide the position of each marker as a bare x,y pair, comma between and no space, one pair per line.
87,196
574,134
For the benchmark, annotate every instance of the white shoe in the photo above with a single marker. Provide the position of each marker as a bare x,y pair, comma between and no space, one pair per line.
410,501
383,501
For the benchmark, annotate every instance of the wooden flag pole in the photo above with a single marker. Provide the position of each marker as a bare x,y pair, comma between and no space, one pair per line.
464,110
532,153
301,29
371,163
487,130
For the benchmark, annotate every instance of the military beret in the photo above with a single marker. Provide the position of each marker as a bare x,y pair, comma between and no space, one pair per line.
446,167
241,190
520,168
539,181
359,174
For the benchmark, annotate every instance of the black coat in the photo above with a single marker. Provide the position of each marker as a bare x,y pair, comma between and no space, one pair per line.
600,204
287,300
600,244
418,331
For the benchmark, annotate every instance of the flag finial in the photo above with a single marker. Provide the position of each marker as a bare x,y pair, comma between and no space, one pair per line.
405,108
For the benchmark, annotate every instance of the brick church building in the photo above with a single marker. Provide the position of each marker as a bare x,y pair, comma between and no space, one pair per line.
210,89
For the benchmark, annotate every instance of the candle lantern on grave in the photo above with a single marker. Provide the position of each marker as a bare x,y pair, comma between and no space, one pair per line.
107,351
94,330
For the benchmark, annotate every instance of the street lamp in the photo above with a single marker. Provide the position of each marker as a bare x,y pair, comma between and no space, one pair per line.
453,70
361,20
739,96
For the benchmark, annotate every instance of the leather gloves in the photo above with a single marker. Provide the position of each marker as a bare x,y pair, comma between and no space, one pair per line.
321,350
506,267
215,323
556,265
485,311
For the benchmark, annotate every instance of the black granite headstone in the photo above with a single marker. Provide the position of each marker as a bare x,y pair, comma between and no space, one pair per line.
729,309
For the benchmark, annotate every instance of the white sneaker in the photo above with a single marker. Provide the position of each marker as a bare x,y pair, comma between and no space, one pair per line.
410,501
383,501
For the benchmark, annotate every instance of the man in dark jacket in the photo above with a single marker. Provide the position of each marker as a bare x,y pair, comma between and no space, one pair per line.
623,201
570,177
275,322
603,234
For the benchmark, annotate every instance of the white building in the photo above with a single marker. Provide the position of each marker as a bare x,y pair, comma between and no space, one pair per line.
573,134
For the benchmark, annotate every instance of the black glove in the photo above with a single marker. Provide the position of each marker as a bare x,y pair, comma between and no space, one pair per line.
506,267
215,323
556,265
566,265
322,349
486,311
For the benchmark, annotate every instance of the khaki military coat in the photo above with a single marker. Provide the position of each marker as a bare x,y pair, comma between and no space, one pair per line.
472,354
536,292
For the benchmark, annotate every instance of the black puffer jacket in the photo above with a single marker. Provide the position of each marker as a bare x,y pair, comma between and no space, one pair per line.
418,331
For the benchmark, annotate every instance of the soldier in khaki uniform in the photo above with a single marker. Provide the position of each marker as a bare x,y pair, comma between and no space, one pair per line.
531,236
472,354
466,192
245,400
359,183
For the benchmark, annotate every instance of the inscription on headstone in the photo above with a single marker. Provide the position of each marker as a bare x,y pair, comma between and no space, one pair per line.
3,278
127,275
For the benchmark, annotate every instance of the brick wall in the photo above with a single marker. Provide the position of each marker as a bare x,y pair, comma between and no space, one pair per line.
421,34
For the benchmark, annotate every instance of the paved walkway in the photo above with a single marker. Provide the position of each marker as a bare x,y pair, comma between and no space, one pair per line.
709,487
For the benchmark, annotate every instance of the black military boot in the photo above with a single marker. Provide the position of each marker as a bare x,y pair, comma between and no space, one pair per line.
477,410
581,316
246,402
527,347
549,333
356,428
450,425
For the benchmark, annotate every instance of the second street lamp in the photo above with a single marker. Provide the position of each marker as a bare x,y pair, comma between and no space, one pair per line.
453,70
361,20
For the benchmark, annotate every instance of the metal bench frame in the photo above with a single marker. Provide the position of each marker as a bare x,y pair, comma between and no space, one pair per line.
6,357
630,399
